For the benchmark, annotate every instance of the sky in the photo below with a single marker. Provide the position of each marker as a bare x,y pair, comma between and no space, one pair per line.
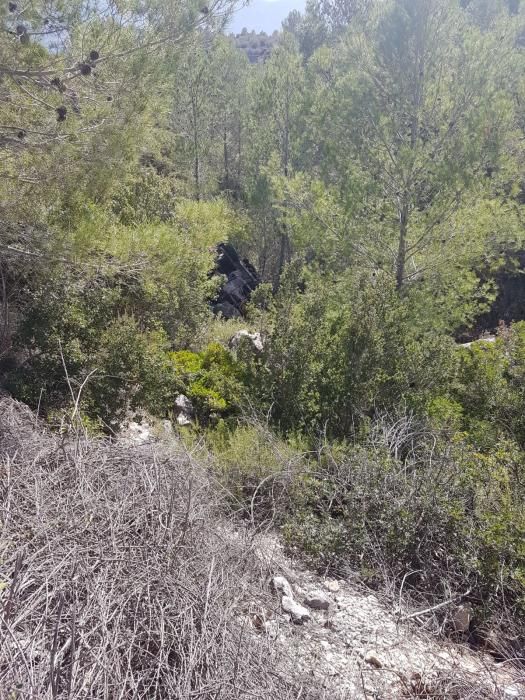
264,15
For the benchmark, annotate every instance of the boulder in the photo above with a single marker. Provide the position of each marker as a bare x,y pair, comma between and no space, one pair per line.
297,612
282,586
184,410
317,600
244,336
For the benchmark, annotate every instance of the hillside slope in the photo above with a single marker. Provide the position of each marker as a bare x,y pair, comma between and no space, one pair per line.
122,577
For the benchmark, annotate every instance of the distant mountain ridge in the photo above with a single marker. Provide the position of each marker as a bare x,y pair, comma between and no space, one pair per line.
263,15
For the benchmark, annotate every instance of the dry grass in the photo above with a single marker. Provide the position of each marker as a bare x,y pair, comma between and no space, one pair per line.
118,578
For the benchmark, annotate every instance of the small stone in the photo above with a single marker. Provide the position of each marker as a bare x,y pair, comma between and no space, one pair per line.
298,613
271,627
184,410
282,586
317,600
167,428
332,585
372,659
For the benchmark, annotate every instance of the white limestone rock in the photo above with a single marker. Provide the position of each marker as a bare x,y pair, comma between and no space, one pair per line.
297,612
332,585
244,336
282,586
317,600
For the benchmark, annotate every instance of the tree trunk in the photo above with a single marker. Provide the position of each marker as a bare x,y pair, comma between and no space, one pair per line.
226,160
196,164
284,248
402,248
283,256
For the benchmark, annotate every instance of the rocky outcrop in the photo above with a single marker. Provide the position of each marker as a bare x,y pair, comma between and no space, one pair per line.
184,410
254,340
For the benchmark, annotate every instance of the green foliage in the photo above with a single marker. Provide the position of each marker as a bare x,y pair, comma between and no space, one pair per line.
491,387
210,379
453,516
147,197
140,377
75,334
372,169
336,353
255,467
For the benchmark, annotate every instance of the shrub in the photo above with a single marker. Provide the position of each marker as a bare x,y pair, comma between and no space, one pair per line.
210,379
115,583
133,371
256,468
75,328
440,515
491,387
408,503
156,277
338,352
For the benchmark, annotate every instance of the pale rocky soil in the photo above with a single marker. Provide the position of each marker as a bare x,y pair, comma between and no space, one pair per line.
359,647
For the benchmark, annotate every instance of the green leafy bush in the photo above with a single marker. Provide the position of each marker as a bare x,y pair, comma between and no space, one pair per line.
409,502
210,379
336,352
131,294
491,387
133,371
255,467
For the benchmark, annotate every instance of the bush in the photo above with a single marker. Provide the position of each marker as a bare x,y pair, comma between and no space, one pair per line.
407,504
210,379
114,581
133,371
338,352
137,293
436,513
491,387
75,328
256,468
